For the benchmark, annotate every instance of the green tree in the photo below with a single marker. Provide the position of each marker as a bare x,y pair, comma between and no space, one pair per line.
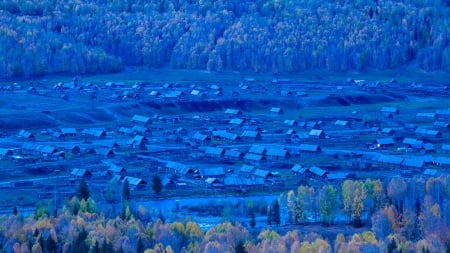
126,190
328,204
83,190
276,213
157,184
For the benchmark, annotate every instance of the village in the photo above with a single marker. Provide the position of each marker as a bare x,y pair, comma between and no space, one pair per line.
245,137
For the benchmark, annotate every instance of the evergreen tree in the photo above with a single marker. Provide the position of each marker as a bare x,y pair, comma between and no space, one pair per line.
83,190
161,216
126,190
157,184
253,220
96,248
240,248
276,213
80,244
391,246
50,244
140,246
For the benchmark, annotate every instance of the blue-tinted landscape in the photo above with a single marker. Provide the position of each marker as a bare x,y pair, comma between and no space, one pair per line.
224,126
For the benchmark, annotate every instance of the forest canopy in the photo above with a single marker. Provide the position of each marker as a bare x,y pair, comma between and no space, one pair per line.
80,36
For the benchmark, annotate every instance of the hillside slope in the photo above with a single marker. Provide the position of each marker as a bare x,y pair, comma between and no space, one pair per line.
54,36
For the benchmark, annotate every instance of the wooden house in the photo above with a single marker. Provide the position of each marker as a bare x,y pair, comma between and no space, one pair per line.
389,112
233,154
309,148
135,183
143,120
316,133
276,110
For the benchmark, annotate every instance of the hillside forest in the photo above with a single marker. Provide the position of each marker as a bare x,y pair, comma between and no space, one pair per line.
278,36
396,215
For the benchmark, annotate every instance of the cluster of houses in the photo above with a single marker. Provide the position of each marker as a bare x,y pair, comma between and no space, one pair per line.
234,148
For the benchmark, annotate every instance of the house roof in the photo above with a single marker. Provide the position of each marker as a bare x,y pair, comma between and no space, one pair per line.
140,129
96,132
214,151
250,134
309,147
389,159
68,130
276,109
385,141
247,168
137,140
278,152
80,172
316,132
299,169
430,172
233,111
211,172
317,171
445,147
389,109
261,173
411,141
104,151
257,149
236,121
233,153
199,137
413,162
442,160
225,135
341,122
337,175
253,157
429,132
290,122
134,181
117,169
141,119
5,151
426,115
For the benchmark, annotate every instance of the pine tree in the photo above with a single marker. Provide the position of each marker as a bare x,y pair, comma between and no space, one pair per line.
276,213
157,184
140,246
253,220
126,190
50,244
83,190
161,216
240,248
96,248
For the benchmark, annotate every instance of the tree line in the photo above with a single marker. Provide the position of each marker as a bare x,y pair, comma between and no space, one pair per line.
79,36
400,215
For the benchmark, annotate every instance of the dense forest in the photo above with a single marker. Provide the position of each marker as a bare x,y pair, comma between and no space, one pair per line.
79,36
397,215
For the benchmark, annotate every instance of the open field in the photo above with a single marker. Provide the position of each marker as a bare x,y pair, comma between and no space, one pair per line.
188,138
